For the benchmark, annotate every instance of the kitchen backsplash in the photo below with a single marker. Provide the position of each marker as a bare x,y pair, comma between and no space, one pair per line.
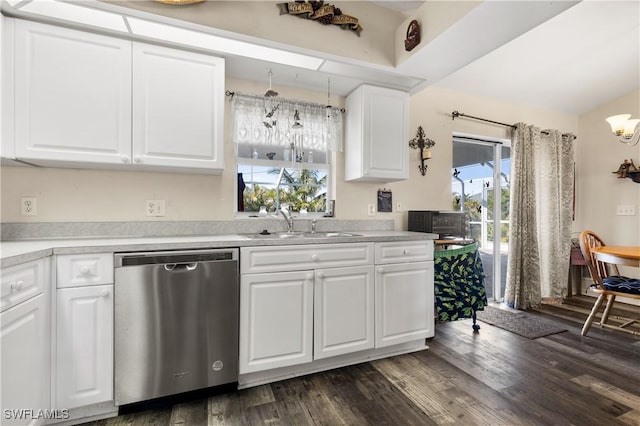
62,230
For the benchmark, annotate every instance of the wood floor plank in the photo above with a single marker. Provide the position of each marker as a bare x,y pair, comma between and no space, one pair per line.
225,409
608,390
192,413
148,418
493,377
630,418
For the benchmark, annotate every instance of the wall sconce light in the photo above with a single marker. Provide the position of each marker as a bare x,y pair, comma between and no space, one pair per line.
625,128
420,141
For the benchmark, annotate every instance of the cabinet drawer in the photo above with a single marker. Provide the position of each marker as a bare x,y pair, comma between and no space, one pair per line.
22,282
298,258
404,251
75,270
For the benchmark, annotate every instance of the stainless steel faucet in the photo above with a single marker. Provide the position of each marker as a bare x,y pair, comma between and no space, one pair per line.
288,217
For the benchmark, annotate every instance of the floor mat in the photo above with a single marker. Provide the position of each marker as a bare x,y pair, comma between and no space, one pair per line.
519,322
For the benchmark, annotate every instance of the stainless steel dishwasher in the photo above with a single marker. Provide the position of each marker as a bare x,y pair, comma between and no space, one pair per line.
176,322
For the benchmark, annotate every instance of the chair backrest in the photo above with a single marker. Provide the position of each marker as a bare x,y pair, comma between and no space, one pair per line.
597,269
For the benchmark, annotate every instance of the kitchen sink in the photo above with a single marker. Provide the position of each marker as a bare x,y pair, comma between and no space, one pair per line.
283,235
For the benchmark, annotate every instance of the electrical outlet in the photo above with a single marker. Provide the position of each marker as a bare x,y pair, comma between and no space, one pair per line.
371,209
398,206
154,208
626,210
28,206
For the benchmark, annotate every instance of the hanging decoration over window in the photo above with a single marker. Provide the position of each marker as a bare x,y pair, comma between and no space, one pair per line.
276,123
324,13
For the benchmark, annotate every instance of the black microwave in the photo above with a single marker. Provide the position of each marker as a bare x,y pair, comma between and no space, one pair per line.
444,223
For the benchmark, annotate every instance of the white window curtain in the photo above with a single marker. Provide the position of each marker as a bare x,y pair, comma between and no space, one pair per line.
263,121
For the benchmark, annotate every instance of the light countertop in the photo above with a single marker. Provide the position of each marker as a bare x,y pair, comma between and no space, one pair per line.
17,252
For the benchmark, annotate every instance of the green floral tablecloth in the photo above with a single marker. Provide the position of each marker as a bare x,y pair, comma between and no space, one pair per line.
459,283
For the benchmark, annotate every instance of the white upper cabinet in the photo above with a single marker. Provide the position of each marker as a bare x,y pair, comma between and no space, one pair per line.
376,145
85,100
72,95
178,108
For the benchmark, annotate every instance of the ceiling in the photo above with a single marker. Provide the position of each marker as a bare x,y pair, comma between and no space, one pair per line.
568,55
574,62
571,57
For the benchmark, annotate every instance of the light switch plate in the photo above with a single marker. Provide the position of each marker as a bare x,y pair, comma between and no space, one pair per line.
371,209
626,210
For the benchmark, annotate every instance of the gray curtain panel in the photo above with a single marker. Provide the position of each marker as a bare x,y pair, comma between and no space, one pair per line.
540,213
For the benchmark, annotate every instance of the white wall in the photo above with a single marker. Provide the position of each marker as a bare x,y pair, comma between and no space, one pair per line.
599,191
431,108
261,19
69,195
74,195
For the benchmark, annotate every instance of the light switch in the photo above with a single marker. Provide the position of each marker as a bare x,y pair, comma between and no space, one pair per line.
626,210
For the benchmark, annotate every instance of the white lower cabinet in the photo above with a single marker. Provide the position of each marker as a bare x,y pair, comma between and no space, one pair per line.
404,302
343,311
276,320
84,346
307,303
25,342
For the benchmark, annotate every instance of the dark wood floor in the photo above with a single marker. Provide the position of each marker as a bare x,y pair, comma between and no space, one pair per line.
493,377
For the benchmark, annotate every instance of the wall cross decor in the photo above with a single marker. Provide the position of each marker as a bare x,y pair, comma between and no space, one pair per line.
320,12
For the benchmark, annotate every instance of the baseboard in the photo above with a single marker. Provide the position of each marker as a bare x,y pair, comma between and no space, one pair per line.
277,374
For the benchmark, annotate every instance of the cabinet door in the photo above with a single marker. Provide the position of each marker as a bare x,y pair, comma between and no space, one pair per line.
178,108
25,342
343,311
385,133
376,146
404,303
84,349
72,95
276,320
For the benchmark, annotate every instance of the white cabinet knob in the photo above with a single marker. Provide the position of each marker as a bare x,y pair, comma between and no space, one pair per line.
104,293
309,277
380,270
406,252
315,257
124,159
321,275
366,172
138,159
84,270
17,286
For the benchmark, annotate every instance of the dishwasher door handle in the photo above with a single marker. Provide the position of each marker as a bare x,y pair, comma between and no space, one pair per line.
180,266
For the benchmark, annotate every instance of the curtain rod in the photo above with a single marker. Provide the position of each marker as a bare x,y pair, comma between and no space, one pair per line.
456,114
231,94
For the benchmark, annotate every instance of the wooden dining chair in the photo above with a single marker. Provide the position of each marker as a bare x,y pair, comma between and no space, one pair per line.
607,282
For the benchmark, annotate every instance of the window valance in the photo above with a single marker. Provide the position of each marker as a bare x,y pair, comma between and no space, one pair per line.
269,121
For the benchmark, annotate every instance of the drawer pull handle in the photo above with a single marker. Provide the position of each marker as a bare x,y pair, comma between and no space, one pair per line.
104,293
406,251
84,270
315,257
17,286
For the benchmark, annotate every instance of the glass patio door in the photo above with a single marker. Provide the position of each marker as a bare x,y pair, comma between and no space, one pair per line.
480,186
